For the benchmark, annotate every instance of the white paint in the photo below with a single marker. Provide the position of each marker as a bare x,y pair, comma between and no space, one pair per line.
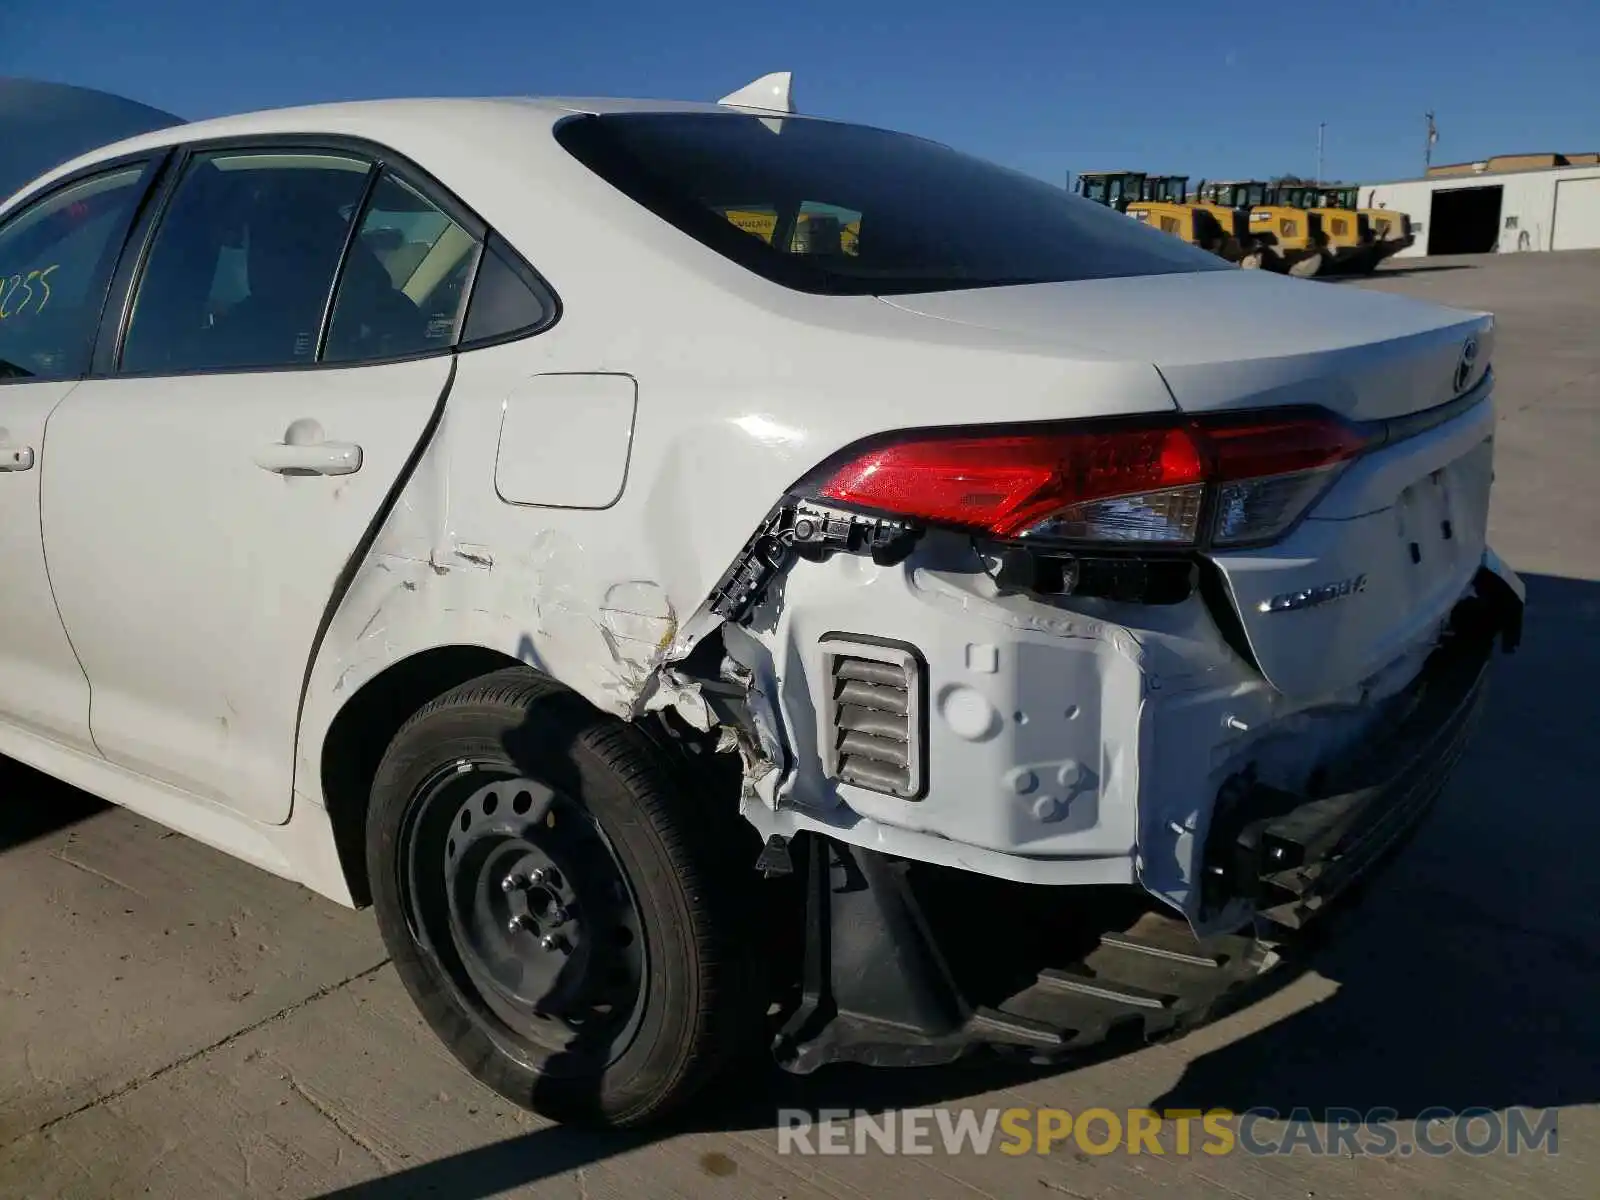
192,581
968,713
1528,207
1231,339
1047,808
302,849
770,93
1577,217
558,519
983,659
42,688
564,441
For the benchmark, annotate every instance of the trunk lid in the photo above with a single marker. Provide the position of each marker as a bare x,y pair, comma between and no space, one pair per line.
1243,339
1364,581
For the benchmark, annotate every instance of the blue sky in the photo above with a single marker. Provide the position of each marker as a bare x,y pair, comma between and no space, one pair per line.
1160,85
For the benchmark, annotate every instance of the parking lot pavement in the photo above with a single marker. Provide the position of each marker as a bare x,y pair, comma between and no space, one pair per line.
177,1024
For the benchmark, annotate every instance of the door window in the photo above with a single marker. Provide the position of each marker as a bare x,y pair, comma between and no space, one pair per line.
405,279
56,259
243,262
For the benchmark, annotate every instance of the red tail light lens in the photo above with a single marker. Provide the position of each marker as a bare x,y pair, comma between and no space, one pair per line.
1271,470
1129,484
1250,448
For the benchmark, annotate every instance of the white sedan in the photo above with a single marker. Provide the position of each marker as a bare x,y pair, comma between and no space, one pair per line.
684,562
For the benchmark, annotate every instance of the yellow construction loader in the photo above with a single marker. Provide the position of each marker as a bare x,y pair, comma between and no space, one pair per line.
1114,189
808,227
1279,236
1166,206
1322,232
1388,225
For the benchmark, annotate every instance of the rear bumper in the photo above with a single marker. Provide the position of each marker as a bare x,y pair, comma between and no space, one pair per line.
1290,855
908,964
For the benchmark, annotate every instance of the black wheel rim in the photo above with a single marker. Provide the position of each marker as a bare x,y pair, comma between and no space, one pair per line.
519,897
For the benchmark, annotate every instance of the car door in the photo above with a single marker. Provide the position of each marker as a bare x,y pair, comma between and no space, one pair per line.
56,258
207,493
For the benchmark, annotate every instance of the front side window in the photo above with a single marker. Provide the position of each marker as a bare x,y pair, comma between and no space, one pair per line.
856,210
243,261
405,280
56,259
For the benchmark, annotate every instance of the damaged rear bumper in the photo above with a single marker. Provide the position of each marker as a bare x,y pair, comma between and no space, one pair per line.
1291,855
903,960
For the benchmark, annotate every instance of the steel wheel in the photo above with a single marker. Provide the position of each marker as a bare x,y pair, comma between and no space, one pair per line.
560,908
520,898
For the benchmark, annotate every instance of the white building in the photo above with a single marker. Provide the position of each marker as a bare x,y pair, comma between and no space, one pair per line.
1513,202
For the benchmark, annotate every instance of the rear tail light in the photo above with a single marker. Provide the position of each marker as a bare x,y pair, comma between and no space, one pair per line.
1127,484
1271,469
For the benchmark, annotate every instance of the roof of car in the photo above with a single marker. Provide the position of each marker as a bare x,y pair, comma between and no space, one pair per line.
381,115
390,122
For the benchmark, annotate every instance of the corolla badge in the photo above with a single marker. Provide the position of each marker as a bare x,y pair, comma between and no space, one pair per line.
1468,360
1312,597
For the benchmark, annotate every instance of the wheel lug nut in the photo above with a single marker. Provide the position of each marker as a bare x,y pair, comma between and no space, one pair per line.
538,876
518,924
551,942
512,882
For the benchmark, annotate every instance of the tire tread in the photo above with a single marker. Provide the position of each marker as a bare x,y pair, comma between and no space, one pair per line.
723,995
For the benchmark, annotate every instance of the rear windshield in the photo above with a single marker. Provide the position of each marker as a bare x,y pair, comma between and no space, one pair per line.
847,210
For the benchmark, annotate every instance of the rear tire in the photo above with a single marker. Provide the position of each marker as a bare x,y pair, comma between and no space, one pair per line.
556,907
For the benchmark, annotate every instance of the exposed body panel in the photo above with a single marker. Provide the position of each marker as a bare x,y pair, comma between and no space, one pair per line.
599,573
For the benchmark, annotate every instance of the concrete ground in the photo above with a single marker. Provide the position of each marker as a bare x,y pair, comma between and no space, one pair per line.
174,1023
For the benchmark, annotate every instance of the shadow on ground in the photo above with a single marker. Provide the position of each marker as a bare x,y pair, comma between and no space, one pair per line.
1465,979
1413,267
1425,268
1469,976
33,805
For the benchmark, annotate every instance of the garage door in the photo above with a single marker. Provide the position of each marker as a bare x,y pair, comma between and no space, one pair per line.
1577,215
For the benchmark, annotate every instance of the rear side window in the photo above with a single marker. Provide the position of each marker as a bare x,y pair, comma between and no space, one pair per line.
844,209
405,280
243,261
56,259
508,300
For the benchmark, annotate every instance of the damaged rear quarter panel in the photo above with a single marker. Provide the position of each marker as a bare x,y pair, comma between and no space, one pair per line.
738,395
1036,707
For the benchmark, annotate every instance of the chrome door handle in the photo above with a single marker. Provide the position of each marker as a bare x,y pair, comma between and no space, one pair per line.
322,458
16,458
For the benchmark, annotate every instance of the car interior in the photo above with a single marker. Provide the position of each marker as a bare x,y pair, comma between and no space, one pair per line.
243,261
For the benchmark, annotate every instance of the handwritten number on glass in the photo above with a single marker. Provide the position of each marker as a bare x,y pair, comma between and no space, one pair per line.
35,285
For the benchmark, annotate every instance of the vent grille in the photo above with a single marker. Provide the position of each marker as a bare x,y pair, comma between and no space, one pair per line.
874,719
